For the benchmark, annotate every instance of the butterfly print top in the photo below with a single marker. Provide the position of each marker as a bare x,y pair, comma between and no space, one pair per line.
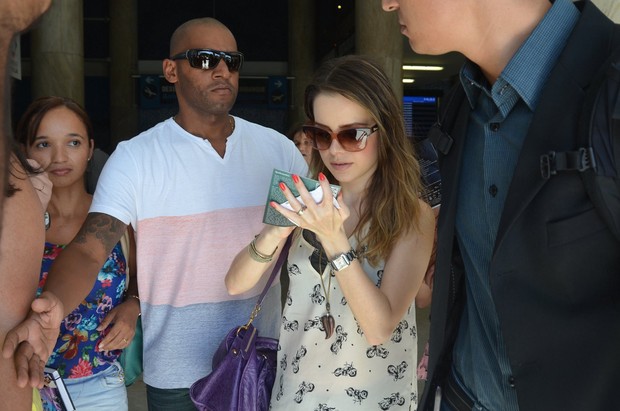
343,372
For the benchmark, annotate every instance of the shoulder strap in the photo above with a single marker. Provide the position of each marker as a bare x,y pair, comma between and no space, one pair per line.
598,158
602,183
601,126
588,156
274,272
439,134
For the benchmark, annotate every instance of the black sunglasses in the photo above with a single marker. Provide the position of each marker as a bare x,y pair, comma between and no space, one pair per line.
207,59
351,139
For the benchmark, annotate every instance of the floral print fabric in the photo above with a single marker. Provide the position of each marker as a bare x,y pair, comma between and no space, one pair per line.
77,353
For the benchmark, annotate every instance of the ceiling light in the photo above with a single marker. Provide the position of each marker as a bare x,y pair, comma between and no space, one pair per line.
422,68
408,80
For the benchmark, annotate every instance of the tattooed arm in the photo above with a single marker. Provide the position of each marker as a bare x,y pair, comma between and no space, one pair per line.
74,272
71,278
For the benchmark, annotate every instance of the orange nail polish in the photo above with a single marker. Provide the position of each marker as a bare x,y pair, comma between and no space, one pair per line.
282,186
321,176
296,178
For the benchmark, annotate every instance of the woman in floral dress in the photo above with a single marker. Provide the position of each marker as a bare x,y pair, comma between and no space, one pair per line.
57,133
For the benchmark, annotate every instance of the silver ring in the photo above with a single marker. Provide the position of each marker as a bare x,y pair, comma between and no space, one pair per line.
301,210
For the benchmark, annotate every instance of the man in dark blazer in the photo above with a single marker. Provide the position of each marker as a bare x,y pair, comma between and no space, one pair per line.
526,300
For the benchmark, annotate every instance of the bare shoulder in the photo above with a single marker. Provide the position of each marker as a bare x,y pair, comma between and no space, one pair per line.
426,219
417,239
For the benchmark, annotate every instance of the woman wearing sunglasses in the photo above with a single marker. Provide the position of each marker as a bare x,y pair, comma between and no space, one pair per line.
348,333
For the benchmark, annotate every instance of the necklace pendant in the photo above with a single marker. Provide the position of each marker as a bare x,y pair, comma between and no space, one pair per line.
329,324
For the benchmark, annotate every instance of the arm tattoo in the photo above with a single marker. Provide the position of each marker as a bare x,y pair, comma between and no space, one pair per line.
106,229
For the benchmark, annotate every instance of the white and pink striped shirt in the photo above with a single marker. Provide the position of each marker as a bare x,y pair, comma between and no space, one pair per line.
193,211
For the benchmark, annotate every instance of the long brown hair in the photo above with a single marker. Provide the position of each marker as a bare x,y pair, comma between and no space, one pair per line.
390,208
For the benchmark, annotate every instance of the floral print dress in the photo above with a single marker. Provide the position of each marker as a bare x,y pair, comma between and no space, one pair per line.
77,353
343,372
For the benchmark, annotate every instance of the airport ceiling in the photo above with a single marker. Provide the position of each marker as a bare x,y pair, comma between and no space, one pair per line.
261,28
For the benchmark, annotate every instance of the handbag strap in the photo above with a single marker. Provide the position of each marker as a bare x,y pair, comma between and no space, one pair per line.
276,270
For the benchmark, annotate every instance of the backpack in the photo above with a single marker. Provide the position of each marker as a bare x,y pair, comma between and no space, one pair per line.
600,124
598,158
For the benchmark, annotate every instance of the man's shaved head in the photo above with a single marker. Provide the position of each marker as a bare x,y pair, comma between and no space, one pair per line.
180,34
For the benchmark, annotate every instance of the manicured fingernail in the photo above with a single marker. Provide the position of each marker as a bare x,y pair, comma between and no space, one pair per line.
296,178
321,176
282,186
272,204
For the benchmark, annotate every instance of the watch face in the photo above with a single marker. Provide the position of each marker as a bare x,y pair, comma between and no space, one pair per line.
340,263
343,260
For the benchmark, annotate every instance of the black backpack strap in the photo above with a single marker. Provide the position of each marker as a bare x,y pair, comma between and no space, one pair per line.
598,158
578,160
603,183
585,157
616,110
439,134
602,125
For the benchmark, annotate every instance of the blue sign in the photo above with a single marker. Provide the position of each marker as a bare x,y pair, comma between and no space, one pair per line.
277,91
156,92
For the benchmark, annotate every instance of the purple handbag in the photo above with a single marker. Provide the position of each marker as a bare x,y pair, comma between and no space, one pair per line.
243,366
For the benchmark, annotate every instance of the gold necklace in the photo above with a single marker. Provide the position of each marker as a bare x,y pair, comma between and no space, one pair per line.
232,124
327,320
230,121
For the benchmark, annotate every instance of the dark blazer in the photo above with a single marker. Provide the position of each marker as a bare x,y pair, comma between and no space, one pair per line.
555,269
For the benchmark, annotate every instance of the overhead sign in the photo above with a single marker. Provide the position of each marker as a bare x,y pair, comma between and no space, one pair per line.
156,92
277,91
